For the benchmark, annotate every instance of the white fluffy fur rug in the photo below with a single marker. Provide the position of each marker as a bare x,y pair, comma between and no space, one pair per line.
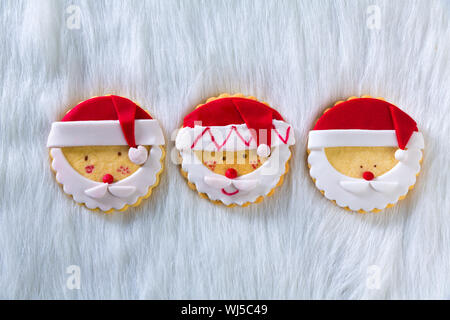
300,56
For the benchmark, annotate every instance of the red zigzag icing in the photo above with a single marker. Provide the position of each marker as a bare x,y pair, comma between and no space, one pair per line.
233,128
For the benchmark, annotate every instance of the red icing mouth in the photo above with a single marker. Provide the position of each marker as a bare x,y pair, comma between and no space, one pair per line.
89,169
229,193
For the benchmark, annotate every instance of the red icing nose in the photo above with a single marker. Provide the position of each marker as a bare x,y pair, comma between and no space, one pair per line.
231,173
368,175
107,178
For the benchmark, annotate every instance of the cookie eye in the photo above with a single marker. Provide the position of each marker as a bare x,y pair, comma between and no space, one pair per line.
374,165
86,158
119,153
360,167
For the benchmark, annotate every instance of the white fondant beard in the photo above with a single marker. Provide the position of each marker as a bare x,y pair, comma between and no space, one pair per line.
113,196
361,194
246,188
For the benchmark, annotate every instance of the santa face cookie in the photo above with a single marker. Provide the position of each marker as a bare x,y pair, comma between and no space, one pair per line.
364,154
234,150
107,153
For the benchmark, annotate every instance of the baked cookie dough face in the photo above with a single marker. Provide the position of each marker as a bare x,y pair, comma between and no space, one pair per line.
362,162
243,162
94,162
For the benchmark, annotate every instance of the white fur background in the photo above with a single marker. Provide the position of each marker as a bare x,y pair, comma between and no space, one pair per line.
301,57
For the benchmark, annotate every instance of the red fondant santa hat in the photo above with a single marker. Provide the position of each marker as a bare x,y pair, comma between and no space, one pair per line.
365,122
232,124
107,120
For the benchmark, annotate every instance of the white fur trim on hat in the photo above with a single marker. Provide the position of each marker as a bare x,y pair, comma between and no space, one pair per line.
230,137
360,138
102,133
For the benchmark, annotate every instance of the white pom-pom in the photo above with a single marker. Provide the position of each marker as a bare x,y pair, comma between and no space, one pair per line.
263,150
401,155
138,155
